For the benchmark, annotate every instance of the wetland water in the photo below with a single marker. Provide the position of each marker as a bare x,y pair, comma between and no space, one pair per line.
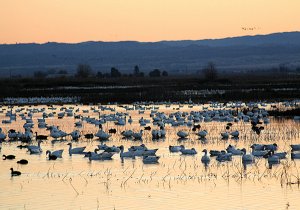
176,182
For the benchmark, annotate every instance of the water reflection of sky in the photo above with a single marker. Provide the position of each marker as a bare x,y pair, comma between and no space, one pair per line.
177,182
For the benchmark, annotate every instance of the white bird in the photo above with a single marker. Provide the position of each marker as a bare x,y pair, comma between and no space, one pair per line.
101,156
35,151
223,156
295,147
150,152
231,149
225,135
188,151
75,134
150,159
77,150
295,155
182,134
34,148
205,158
257,146
129,154
12,134
102,135
176,148
281,155
57,153
130,120
235,134
273,159
273,147
202,133
141,147
2,135
259,153
108,148
127,134
138,136
87,154
247,157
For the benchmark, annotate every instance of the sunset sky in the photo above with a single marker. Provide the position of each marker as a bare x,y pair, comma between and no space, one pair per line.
142,20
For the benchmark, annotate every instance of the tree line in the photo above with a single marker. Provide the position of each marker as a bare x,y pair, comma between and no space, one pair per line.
85,70
208,71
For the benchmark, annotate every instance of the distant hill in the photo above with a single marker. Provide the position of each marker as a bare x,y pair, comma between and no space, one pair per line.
186,56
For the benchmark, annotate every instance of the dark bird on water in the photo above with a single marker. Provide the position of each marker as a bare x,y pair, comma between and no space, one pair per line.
15,173
23,162
51,157
112,130
40,137
9,157
89,136
22,146
148,128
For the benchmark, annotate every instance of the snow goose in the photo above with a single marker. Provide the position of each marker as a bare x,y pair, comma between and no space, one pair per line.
225,135
127,134
247,157
257,146
205,158
295,147
182,134
202,133
77,150
138,136
141,147
87,154
280,155
273,147
150,152
102,135
57,153
150,159
75,135
231,149
129,154
273,159
188,151
34,147
235,134
101,156
176,148
214,153
223,156
2,136
295,155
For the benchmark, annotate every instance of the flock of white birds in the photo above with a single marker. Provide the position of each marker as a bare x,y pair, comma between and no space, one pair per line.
255,114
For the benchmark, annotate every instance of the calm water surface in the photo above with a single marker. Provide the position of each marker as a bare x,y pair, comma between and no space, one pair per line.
177,182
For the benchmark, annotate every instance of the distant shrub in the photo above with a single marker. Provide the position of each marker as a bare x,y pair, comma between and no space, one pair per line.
137,72
210,72
39,74
62,71
165,74
83,71
154,73
115,72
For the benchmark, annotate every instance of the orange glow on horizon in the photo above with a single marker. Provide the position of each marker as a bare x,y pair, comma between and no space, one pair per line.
71,21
